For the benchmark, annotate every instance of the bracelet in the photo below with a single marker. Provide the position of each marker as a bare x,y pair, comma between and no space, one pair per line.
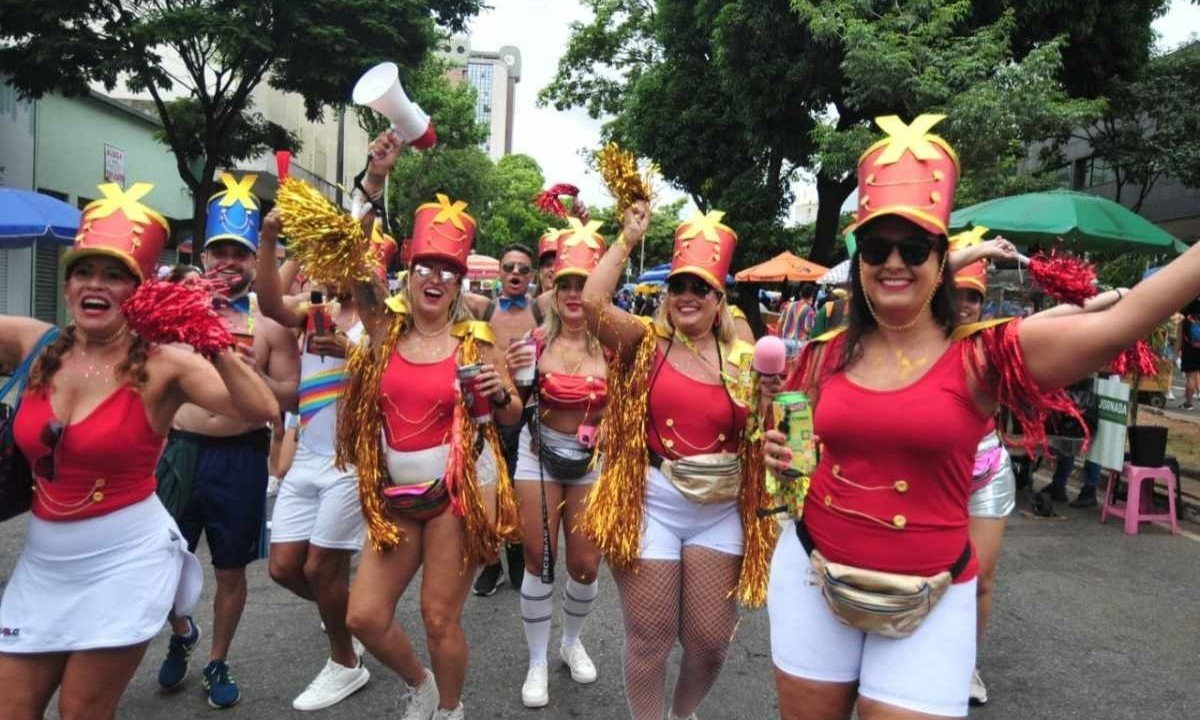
1118,292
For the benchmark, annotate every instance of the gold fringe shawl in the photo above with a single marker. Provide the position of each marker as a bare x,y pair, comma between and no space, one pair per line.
615,515
359,443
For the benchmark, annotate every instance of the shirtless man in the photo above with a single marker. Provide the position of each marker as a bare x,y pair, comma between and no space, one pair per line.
218,464
512,315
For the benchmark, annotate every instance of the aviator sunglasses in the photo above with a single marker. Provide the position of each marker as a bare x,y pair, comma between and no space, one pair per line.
914,250
679,285
447,275
518,268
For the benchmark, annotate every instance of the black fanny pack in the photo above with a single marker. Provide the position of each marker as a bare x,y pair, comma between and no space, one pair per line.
563,463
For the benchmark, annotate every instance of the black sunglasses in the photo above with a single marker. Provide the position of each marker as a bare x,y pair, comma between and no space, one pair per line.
51,437
914,250
679,285
518,268
447,275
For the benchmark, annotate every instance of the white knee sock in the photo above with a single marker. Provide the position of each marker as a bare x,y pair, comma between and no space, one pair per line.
577,603
537,607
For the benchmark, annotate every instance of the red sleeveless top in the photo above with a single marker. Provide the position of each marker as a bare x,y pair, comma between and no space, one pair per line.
102,463
686,417
560,391
890,492
417,402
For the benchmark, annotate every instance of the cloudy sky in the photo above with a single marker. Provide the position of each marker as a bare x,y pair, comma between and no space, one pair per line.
540,29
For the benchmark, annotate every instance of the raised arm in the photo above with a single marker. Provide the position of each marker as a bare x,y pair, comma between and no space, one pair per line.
1061,350
226,386
268,284
369,296
997,249
618,330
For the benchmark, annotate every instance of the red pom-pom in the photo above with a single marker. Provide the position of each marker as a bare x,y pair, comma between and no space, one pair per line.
1139,358
548,200
163,312
1064,277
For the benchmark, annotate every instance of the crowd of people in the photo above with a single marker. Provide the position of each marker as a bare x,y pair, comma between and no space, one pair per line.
433,432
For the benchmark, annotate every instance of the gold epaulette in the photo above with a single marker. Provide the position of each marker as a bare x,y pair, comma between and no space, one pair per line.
477,329
965,331
737,313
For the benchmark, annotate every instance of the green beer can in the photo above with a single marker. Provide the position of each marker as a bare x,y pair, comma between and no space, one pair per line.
794,418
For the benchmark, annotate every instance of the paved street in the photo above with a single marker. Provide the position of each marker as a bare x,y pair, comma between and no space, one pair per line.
1089,624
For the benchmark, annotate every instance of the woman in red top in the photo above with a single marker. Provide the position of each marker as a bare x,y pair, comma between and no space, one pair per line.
102,561
432,501
555,472
901,400
674,510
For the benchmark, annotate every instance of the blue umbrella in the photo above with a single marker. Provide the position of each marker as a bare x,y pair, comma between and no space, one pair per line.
27,217
658,274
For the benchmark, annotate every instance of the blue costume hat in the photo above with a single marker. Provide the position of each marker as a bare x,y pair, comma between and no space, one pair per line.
233,213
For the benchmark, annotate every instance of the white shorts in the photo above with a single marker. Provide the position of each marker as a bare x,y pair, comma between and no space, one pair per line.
318,503
528,462
928,671
673,522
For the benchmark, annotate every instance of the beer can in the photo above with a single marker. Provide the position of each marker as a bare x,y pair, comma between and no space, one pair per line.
480,406
793,417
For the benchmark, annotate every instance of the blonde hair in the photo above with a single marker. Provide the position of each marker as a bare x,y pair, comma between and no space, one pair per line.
459,312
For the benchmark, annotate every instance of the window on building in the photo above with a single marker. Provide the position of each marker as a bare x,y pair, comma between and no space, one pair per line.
481,75
46,282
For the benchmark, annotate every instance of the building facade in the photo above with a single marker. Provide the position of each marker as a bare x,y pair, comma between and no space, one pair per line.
494,75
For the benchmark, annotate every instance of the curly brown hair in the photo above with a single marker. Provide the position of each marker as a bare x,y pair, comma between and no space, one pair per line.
132,369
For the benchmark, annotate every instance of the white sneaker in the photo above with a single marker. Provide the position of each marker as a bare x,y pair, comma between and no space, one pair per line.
576,658
455,714
421,701
359,650
978,694
535,693
332,685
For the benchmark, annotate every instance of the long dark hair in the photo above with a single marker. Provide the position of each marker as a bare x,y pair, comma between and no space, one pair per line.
862,322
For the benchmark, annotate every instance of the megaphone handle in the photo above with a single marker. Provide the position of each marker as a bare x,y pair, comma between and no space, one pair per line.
394,137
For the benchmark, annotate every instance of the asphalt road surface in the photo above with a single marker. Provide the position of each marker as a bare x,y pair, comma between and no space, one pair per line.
1088,623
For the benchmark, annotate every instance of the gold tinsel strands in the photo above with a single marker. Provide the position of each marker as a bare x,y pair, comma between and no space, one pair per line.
326,242
620,172
616,504
758,533
359,429
359,443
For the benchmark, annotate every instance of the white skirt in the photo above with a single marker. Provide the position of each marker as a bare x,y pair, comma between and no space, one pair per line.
103,582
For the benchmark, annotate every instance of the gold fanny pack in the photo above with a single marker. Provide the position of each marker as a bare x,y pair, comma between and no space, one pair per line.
887,604
704,479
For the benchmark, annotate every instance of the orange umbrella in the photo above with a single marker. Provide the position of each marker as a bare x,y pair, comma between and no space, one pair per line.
784,266
482,267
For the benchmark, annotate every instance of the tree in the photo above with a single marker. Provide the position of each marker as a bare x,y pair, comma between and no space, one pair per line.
509,215
1150,128
214,53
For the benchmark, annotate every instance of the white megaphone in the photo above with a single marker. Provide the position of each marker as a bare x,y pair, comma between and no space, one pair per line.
379,89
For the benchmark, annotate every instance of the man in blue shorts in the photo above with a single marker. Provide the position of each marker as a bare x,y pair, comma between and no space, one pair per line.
213,472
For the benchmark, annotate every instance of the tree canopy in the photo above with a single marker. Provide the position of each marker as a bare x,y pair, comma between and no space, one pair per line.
213,54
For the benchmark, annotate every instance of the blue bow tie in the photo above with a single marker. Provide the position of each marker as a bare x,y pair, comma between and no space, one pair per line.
242,304
508,303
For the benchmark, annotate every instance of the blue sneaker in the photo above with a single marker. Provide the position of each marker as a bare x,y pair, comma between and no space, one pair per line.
222,689
174,669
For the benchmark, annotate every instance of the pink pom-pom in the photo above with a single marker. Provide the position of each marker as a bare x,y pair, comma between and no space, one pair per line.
548,200
1064,277
163,312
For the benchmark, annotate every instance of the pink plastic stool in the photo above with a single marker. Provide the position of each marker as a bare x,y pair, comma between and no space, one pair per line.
1139,495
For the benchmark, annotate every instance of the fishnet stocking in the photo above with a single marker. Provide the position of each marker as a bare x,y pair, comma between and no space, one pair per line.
650,607
707,623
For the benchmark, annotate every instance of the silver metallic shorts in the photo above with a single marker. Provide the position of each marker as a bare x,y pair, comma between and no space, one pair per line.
994,487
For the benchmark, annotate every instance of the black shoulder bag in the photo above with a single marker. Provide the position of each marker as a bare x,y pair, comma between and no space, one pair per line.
16,478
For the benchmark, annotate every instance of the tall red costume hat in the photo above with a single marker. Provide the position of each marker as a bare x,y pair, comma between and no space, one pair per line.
910,173
973,276
385,247
580,248
548,243
704,247
118,225
443,231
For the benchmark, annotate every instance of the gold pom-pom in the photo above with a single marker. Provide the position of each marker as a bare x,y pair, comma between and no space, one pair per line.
327,243
619,170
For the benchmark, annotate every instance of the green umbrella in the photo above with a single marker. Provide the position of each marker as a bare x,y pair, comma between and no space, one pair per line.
1087,222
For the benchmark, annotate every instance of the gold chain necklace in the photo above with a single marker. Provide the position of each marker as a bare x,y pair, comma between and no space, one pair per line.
91,368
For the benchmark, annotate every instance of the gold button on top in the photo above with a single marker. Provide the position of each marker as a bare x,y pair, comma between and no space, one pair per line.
900,521
590,378
670,422
669,443
828,500
101,482
97,496
591,396
901,486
